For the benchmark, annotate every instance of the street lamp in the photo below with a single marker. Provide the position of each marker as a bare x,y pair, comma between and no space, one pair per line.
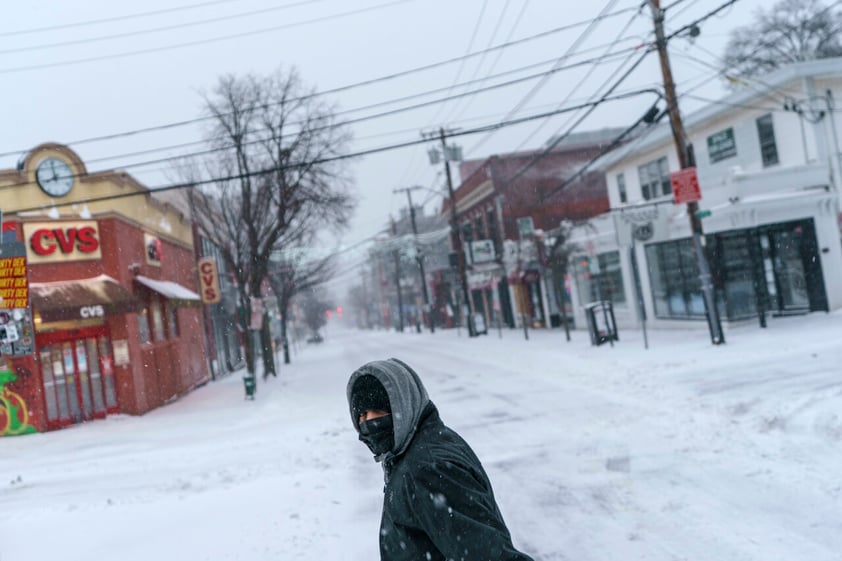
453,153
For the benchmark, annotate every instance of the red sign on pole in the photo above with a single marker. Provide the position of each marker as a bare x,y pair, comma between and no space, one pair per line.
685,186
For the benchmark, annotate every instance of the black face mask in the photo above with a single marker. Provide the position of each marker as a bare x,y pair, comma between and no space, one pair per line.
378,434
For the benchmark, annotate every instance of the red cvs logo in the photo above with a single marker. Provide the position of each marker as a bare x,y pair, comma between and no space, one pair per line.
45,241
209,280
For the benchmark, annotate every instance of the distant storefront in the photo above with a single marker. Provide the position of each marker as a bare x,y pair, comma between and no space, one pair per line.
114,318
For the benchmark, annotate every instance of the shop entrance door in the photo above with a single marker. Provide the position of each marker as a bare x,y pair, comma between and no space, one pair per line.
792,268
77,375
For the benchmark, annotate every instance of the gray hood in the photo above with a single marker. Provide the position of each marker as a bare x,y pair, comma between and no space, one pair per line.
407,398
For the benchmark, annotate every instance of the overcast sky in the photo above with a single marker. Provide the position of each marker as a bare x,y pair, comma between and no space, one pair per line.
129,66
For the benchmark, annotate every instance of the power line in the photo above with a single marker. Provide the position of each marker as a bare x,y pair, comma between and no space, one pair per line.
496,60
582,81
587,113
112,19
470,46
395,75
135,33
378,135
124,54
572,49
276,169
355,120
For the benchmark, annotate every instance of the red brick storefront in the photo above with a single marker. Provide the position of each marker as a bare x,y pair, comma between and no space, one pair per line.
115,318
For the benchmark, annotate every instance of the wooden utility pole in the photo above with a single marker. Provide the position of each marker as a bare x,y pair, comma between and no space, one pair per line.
686,159
397,258
457,238
420,258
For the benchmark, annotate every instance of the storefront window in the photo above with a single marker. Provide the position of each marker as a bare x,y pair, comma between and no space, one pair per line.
172,320
676,288
611,277
157,319
607,284
734,266
143,325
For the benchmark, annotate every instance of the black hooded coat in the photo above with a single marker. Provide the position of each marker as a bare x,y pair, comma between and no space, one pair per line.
438,503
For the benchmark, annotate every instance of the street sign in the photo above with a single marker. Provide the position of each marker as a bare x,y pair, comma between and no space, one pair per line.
685,186
703,214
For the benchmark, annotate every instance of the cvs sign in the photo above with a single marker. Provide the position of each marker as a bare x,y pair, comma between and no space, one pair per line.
209,280
62,241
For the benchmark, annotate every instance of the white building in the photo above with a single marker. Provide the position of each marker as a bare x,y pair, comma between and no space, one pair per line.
768,161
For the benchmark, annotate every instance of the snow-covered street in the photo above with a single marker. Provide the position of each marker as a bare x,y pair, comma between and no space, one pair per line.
681,452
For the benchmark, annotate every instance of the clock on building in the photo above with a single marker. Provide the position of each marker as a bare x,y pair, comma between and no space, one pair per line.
54,177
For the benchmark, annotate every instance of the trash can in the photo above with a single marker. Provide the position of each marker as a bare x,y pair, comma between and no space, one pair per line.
601,324
479,325
250,384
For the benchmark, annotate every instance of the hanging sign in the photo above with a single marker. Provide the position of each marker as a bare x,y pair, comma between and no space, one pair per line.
209,280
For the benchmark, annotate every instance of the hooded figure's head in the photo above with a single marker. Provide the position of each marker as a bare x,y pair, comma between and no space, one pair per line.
393,387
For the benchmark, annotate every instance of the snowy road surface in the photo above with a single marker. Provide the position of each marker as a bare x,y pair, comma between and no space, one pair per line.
681,452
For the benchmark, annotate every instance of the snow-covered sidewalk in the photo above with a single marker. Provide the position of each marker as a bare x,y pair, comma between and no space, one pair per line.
682,451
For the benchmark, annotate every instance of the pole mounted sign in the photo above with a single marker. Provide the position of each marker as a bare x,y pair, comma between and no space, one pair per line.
685,186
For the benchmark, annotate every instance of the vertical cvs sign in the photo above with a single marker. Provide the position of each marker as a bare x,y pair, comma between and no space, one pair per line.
209,280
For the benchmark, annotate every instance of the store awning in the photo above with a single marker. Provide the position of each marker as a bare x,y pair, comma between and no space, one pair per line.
80,299
169,289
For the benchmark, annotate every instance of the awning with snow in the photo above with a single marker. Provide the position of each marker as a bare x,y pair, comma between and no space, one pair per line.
80,299
169,289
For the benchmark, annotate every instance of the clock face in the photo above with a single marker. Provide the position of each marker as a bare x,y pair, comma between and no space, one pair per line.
54,177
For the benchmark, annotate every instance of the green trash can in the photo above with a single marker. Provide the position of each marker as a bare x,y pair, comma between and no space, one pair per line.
250,383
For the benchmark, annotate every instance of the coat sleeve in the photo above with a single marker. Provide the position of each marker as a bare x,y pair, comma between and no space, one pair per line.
455,507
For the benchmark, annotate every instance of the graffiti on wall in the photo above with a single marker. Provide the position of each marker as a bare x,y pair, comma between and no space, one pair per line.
14,415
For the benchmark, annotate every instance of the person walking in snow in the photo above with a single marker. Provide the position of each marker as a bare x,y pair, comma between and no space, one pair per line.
438,503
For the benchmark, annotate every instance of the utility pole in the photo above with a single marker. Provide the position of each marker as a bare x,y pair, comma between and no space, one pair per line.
397,258
457,237
686,159
419,257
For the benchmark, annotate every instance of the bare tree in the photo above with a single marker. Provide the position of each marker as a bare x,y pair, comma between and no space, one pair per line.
276,176
296,272
315,308
790,31
560,251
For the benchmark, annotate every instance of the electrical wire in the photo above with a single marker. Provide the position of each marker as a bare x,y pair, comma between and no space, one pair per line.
371,81
580,82
112,19
161,29
537,87
453,112
462,64
112,56
320,161
348,122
